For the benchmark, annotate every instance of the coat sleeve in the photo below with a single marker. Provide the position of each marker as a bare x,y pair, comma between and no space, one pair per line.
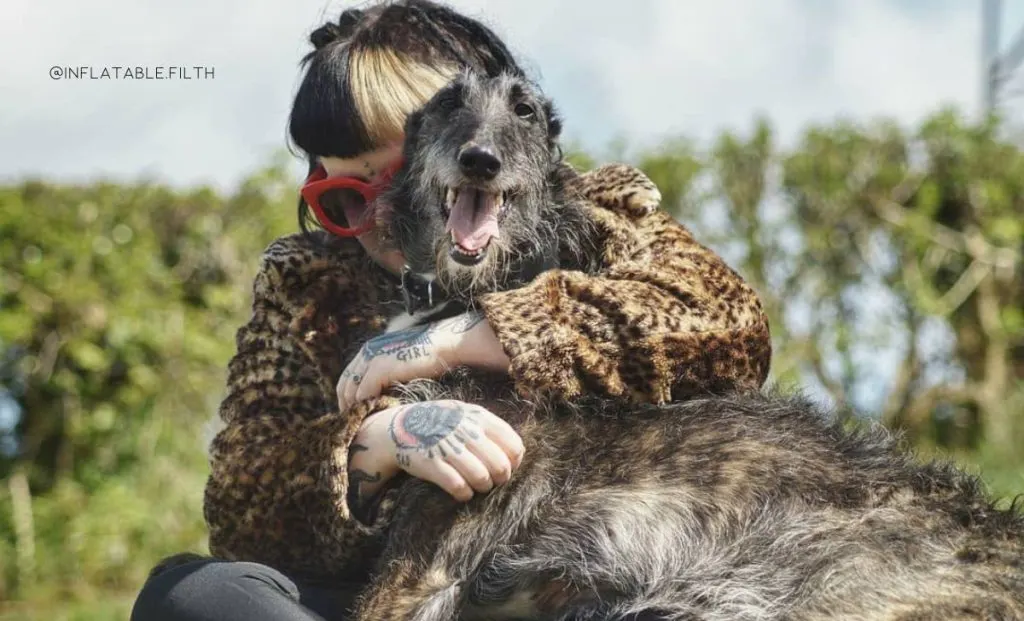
664,318
278,482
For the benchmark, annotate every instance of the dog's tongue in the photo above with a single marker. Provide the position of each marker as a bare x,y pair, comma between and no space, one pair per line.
473,220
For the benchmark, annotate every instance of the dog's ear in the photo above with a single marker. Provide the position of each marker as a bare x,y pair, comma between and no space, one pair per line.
554,120
413,123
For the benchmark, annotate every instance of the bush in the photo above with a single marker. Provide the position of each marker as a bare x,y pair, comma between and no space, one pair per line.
119,304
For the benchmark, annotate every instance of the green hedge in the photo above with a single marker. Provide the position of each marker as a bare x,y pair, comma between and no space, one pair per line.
119,303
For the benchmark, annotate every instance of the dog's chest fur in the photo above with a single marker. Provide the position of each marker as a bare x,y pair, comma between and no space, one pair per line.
404,320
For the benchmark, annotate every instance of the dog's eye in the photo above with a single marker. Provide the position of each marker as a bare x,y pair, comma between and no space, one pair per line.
449,102
450,99
524,111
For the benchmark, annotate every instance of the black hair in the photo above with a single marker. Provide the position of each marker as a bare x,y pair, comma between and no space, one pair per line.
323,121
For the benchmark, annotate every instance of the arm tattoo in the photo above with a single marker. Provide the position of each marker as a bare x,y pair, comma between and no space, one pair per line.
428,427
405,345
356,477
466,322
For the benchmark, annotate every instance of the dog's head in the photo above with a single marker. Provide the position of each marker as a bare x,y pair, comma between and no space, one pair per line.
477,200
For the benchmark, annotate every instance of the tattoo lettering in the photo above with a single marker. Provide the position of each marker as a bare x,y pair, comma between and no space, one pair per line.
405,345
427,427
466,322
387,343
411,353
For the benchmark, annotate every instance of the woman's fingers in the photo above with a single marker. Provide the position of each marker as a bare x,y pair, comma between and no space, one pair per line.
503,435
347,385
465,460
448,478
493,459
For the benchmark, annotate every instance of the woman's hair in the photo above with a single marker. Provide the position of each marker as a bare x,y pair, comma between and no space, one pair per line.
374,66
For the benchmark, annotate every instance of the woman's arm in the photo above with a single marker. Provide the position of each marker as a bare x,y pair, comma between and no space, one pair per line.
289,476
664,319
279,468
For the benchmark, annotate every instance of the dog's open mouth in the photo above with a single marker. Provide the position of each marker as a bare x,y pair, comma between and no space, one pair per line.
473,216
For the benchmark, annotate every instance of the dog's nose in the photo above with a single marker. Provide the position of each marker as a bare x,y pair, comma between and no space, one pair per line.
479,162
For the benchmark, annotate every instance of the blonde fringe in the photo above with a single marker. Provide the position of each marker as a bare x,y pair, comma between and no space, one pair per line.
386,87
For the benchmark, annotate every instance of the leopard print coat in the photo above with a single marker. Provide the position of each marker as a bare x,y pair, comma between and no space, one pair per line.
664,319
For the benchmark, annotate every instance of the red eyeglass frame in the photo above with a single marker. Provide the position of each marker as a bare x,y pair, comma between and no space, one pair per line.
317,183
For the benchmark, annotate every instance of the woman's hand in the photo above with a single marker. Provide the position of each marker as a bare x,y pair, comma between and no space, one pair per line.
461,447
424,352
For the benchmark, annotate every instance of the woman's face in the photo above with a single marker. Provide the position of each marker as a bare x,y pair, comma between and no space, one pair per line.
366,167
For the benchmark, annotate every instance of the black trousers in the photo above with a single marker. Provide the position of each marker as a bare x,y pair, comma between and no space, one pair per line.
205,589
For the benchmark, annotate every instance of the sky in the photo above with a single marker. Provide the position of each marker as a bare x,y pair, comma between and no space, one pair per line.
639,69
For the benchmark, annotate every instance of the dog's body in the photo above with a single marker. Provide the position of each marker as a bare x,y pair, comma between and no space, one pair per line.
742,507
732,507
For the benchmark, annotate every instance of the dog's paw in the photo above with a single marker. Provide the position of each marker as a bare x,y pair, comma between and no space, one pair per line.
623,189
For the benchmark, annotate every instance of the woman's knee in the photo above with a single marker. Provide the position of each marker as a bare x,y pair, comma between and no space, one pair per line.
194,588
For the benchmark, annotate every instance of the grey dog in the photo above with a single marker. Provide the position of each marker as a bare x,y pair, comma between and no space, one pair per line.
742,506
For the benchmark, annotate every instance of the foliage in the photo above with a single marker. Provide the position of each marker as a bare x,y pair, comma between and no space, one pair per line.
890,264
118,306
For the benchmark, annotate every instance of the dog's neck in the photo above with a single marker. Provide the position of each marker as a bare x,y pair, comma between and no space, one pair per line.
426,301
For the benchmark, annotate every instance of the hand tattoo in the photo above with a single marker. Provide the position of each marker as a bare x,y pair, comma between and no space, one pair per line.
404,345
355,377
428,427
466,322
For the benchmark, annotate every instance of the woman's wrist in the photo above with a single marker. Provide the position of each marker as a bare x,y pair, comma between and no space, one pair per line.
476,343
371,462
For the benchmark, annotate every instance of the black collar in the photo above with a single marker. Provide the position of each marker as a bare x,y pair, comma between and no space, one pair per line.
418,292
423,294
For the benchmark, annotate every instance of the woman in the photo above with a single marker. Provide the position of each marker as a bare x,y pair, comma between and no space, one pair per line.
299,485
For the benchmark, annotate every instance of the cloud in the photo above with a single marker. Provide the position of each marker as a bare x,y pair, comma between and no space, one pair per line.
640,69
659,67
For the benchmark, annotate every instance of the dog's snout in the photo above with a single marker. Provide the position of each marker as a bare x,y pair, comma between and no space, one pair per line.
479,162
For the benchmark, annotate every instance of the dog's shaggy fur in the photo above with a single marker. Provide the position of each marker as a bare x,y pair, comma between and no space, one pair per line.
733,507
539,219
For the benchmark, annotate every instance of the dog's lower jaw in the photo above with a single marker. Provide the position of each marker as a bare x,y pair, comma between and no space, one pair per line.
467,258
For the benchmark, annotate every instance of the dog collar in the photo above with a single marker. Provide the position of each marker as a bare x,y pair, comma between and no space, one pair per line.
419,293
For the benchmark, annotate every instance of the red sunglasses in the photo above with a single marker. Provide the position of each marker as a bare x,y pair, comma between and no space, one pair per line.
318,183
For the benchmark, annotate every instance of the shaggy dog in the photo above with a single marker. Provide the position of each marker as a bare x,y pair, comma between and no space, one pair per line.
733,507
